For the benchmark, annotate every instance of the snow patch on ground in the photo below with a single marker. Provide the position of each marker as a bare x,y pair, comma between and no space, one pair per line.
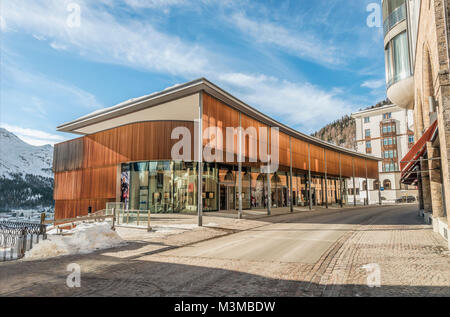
85,238
179,227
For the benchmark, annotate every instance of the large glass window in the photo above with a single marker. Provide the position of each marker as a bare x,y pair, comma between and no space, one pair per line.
397,59
139,190
401,57
259,190
185,187
387,56
160,186
246,190
394,5
210,185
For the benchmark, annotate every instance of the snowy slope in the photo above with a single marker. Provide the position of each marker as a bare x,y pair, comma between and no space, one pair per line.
18,157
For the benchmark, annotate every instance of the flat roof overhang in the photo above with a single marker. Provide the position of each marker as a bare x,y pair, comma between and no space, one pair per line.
187,89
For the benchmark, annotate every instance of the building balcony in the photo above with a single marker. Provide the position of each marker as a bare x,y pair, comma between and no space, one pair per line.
401,91
397,16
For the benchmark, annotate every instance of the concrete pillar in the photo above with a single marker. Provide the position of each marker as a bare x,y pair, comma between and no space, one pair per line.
434,173
367,185
367,191
269,195
309,178
345,191
354,186
326,179
322,188
425,185
240,169
335,191
200,165
380,202
341,187
420,189
291,192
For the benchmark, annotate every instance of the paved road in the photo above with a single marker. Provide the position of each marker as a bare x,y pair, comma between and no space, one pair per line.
295,241
309,254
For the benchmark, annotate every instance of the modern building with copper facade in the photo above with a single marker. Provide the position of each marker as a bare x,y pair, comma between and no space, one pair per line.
126,154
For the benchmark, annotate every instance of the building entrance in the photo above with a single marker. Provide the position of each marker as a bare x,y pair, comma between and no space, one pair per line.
227,197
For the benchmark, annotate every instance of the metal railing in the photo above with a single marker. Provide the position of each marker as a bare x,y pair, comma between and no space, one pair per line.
131,218
16,238
394,18
99,216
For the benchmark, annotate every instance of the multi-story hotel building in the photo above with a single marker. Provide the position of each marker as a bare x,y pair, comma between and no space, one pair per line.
132,153
418,78
385,132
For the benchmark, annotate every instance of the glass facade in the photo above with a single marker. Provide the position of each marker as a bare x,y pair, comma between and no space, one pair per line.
171,187
162,186
397,59
400,57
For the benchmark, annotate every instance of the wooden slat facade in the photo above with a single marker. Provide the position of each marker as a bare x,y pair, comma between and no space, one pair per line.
86,169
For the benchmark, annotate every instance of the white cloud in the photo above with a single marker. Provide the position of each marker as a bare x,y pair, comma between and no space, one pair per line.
299,105
33,85
58,47
139,4
102,38
301,44
3,27
374,84
33,137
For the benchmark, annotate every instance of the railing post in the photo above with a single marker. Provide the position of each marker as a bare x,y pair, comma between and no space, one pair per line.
148,221
113,219
138,216
24,243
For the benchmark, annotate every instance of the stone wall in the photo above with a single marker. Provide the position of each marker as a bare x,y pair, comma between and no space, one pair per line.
431,78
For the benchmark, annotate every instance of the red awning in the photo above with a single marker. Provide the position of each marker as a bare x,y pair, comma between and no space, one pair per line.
412,159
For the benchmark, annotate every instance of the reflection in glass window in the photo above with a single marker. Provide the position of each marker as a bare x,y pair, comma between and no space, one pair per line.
387,56
185,187
210,183
139,186
401,57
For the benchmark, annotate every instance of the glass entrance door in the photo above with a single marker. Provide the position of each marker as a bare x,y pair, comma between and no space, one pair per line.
227,197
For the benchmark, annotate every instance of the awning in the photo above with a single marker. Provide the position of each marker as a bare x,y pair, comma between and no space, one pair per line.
410,163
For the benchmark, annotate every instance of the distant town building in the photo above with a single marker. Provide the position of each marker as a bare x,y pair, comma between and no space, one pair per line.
385,132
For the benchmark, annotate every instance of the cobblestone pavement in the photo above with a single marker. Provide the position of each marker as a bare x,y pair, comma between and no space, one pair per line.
413,261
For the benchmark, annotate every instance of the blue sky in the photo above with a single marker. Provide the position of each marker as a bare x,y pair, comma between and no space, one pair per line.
304,62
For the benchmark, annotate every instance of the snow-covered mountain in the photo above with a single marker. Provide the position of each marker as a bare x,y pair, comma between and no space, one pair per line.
26,177
18,157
